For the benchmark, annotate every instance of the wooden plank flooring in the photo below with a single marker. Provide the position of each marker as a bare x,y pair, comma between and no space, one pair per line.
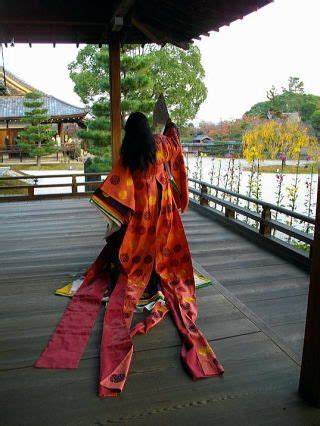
44,242
271,287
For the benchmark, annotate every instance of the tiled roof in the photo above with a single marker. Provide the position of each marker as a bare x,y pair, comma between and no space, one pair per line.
19,81
12,107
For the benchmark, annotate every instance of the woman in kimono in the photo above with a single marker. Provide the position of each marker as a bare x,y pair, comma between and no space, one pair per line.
149,252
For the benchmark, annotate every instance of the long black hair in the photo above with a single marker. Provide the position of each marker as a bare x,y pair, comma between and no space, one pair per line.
138,149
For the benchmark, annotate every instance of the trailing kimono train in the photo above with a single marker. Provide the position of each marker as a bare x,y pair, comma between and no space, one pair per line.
150,249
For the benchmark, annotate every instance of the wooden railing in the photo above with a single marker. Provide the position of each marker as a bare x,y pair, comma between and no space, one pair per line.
213,148
91,181
261,222
258,219
13,149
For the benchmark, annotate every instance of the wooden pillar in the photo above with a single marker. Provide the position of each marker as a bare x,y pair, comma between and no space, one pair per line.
60,132
7,137
115,96
61,137
309,387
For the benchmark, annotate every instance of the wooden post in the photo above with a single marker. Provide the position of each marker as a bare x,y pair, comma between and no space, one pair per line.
229,213
309,386
74,185
265,229
60,132
204,201
30,192
115,96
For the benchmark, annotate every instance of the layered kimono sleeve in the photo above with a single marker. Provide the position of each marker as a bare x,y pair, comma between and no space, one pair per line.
115,196
108,206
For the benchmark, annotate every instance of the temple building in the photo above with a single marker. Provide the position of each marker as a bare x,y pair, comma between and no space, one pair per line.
65,117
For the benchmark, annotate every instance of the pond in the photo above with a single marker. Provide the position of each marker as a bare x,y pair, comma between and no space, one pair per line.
207,169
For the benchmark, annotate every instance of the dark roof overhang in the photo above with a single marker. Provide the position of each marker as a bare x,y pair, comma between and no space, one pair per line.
135,21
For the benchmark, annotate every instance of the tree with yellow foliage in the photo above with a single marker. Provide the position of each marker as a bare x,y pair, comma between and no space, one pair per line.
273,138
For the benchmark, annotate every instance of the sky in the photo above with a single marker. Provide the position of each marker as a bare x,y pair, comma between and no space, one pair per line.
241,61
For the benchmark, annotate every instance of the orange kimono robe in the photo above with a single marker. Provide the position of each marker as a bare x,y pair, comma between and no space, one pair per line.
154,240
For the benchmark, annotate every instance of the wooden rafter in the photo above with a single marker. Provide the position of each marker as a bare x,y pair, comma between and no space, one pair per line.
155,35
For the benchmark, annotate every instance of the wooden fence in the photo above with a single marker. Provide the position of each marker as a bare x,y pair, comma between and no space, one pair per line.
91,181
13,149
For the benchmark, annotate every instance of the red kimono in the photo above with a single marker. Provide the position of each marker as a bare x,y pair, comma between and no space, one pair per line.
153,242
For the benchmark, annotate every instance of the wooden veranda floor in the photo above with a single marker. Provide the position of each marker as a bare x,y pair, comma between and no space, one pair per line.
260,297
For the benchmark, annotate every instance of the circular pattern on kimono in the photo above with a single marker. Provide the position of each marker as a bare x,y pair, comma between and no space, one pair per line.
166,251
174,282
185,258
139,230
117,378
152,230
139,185
148,259
138,272
152,200
169,208
136,259
147,215
137,215
114,179
161,267
159,156
156,315
192,328
163,210
185,306
166,223
173,262
189,281
123,194
177,248
124,257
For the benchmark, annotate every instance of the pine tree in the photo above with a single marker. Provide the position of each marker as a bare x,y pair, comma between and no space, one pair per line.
145,73
93,84
36,138
98,136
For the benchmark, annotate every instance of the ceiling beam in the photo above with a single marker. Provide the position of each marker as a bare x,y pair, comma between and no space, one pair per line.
156,35
123,8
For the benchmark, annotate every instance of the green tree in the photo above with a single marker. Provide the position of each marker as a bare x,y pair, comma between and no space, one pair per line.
274,105
98,136
91,77
178,74
36,139
307,109
292,99
260,109
145,73
315,121
295,85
